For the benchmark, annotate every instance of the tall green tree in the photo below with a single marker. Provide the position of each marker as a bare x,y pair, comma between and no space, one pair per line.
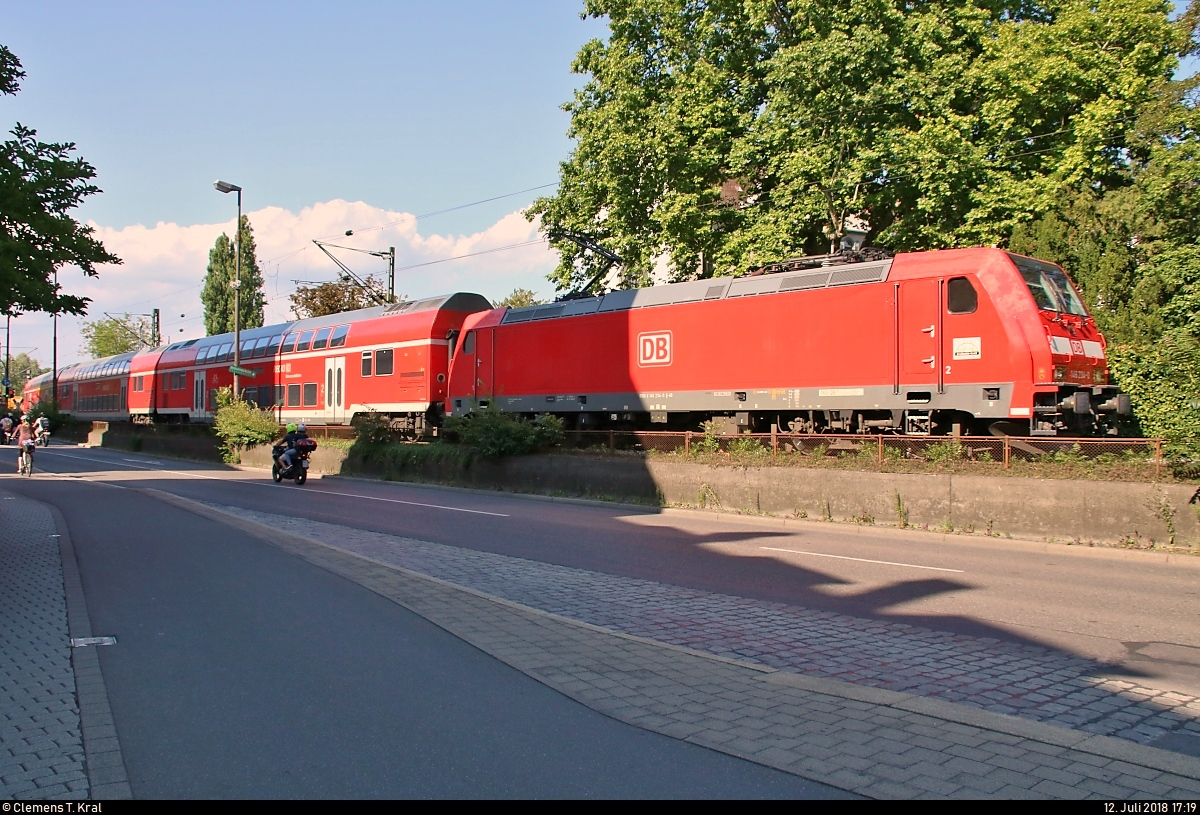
40,184
336,297
730,133
22,368
218,294
519,298
116,335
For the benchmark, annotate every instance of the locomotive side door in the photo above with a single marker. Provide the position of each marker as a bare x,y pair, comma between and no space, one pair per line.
335,390
920,332
484,367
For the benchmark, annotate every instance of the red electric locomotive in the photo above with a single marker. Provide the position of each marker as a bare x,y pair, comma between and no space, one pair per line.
918,344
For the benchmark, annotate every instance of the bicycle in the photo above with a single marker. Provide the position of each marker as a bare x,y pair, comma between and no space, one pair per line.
25,459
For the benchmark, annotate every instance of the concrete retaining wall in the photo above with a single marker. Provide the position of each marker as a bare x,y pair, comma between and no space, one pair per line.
1086,511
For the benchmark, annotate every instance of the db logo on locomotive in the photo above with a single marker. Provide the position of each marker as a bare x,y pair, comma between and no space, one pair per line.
654,348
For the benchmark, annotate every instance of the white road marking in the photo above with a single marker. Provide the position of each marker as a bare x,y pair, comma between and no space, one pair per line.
862,560
321,492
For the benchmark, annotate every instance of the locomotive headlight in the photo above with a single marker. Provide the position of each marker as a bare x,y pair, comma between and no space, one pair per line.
1060,373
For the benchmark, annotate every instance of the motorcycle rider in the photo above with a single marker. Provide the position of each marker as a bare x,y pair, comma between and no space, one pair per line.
26,440
295,433
43,425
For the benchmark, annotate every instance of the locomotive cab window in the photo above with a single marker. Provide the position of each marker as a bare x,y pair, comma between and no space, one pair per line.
338,339
322,339
366,363
469,343
961,297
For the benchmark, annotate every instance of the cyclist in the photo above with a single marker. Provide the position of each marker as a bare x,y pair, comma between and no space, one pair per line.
26,443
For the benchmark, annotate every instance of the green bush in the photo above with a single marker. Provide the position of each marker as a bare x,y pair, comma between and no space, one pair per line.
240,424
372,428
492,433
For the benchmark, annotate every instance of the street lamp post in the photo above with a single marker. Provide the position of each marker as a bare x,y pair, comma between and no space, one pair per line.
224,186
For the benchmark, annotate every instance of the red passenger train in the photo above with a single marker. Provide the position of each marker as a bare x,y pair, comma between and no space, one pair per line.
392,360
922,343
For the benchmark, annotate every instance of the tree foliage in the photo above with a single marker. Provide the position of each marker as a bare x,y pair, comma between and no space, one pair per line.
519,298
218,293
725,134
22,368
40,184
335,297
116,335
241,424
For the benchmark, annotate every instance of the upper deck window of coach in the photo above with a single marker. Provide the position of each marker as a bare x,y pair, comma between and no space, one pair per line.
302,343
322,339
226,352
289,342
339,336
247,348
260,347
273,346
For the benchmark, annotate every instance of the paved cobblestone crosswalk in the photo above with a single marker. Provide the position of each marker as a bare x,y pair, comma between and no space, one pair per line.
1001,676
877,742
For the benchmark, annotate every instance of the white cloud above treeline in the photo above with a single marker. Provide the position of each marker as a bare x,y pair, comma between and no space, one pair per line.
164,266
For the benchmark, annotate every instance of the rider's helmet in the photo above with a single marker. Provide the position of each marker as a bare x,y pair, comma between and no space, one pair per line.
291,427
25,419
301,428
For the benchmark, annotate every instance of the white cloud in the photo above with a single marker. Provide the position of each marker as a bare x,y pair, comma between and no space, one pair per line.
164,266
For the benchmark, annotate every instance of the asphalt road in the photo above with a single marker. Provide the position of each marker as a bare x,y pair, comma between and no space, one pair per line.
243,672
1129,609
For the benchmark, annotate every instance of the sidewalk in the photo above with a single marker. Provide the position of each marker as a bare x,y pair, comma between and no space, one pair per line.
721,690
57,738
41,740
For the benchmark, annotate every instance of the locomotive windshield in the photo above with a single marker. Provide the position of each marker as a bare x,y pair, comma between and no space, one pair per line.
1051,289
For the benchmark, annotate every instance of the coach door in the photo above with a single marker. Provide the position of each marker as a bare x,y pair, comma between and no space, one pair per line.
198,396
920,334
335,390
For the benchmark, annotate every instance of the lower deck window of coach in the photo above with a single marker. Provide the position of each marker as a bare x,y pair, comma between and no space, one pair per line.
383,362
310,394
293,396
279,396
366,363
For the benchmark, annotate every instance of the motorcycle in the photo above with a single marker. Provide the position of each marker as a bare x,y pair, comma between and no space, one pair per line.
298,472
44,438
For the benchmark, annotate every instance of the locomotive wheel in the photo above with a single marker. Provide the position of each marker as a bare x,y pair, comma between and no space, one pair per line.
300,479
275,472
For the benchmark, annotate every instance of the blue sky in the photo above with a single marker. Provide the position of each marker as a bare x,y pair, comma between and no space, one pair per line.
410,106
